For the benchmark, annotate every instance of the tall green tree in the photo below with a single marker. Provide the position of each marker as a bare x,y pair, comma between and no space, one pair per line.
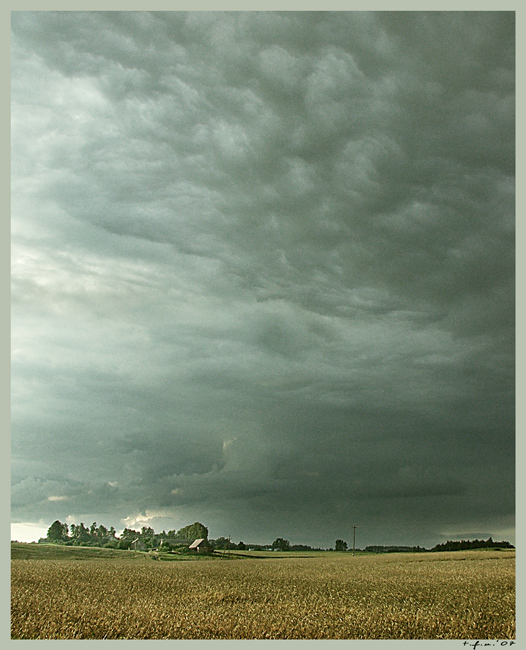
193,531
80,534
221,543
281,544
340,545
102,532
57,532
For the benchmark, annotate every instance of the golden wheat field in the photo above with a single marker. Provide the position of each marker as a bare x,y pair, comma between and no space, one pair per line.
461,595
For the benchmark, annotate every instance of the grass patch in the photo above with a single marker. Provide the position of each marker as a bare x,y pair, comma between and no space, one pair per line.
23,551
31,551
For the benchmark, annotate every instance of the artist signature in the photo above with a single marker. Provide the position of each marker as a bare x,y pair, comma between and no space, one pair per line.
486,644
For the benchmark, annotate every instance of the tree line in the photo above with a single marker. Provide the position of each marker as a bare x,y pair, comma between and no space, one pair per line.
466,544
99,535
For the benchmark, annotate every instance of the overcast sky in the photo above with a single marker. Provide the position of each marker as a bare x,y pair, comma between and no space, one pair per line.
263,273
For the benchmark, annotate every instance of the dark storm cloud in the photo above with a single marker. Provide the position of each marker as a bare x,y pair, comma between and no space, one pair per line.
263,271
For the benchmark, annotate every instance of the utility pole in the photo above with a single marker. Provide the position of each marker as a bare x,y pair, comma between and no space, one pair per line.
353,539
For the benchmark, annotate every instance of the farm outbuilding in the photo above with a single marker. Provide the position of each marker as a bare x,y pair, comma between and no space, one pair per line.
200,546
138,545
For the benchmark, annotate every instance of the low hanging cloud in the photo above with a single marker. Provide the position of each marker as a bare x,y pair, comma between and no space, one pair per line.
263,272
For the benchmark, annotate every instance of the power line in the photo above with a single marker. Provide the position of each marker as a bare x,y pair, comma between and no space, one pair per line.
353,538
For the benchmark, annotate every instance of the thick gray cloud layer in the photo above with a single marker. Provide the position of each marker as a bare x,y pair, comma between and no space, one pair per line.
263,272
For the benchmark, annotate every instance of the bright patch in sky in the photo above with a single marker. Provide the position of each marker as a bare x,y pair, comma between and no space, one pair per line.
24,532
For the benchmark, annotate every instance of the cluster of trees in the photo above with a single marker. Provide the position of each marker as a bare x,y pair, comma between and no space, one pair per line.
79,534
465,545
446,546
224,544
395,549
99,535
279,544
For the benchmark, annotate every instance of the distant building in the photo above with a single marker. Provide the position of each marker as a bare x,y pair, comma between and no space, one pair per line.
200,546
138,545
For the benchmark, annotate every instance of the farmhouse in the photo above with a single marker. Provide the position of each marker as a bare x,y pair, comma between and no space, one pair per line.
200,546
138,545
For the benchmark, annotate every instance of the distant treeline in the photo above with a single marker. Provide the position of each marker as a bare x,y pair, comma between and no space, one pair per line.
279,544
395,549
99,535
462,545
466,544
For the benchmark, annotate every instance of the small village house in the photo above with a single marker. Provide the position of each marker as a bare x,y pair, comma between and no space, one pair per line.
138,545
200,546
